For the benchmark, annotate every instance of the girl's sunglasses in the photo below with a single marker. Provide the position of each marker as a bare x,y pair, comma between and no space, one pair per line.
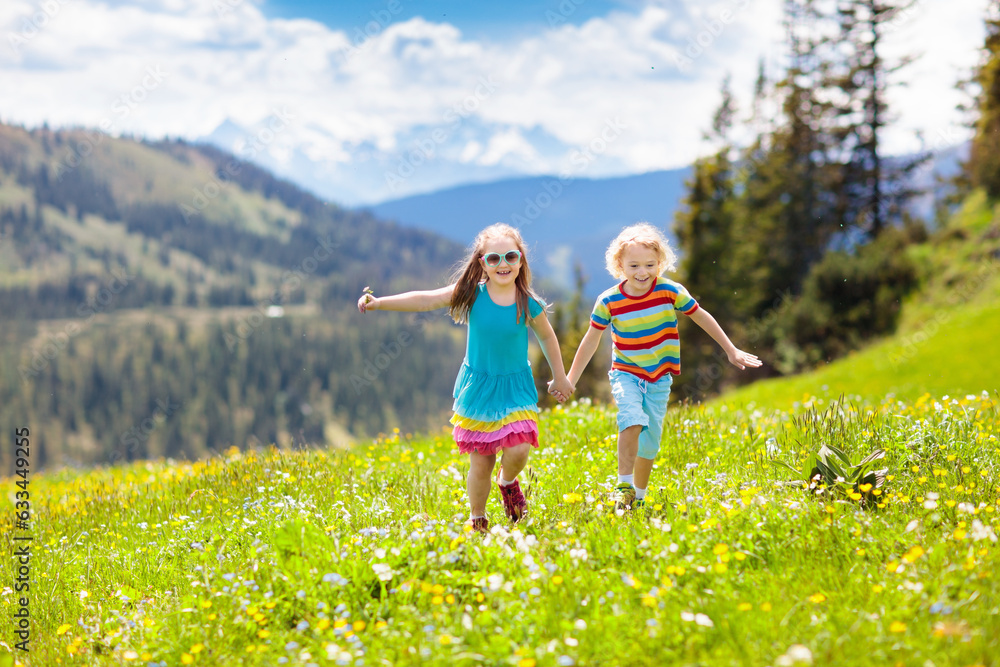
511,257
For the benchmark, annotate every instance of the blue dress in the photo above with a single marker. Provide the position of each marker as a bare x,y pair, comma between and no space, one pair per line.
496,403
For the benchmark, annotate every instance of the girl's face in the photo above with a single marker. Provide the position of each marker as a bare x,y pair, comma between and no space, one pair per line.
641,266
501,260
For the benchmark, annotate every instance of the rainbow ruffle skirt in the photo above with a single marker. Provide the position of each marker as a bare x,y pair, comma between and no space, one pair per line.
494,411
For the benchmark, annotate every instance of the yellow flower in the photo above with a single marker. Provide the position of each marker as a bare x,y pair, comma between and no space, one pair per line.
63,629
437,599
816,598
526,662
557,579
197,648
739,555
187,659
358,626
897,627
744,606
766,606
263,634
445,639
648,601
205,604
720,549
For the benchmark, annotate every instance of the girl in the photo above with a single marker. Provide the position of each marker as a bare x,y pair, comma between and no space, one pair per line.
495,396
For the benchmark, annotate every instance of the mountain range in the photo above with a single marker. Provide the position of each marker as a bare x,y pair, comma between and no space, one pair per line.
565,222
456,177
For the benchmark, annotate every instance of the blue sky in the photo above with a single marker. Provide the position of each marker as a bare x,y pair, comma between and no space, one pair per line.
384,98
479,19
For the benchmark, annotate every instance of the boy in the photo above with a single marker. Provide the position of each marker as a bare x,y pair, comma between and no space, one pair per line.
641,310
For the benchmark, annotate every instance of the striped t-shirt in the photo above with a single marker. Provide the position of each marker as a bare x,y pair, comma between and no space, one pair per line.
644,328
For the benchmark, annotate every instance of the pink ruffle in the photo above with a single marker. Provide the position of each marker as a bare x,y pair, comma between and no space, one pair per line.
494,446
468,435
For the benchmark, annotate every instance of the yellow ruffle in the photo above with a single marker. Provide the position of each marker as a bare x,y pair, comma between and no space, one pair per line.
481,426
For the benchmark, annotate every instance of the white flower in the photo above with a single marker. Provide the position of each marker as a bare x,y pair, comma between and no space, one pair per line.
383,571
981,531
797,654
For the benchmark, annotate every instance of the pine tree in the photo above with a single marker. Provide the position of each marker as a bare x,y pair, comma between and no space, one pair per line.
871,191
984,158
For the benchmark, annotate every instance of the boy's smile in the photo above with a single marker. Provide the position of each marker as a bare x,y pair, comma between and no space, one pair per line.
641,266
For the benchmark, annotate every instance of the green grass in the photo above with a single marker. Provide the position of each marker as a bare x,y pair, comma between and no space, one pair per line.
950,355
340,556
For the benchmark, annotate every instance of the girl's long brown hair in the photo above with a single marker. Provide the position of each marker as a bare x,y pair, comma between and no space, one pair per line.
470,273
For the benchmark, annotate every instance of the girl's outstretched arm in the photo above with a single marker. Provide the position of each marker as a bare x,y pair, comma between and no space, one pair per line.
550,348
737,357
410,302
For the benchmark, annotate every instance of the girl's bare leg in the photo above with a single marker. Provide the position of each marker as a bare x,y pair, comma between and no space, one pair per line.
480,477
513,461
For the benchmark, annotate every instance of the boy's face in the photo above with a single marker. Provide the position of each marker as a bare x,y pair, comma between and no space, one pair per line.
641,266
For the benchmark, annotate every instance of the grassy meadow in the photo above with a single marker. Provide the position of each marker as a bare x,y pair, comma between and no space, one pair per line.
360,556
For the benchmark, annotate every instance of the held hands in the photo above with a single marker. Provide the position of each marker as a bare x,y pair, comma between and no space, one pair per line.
561,389
742,359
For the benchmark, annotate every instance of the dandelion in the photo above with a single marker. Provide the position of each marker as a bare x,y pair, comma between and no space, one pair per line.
897,627
816,598
187,659
63,629
744,606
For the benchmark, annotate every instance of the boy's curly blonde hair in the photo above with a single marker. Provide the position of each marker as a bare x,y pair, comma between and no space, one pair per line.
645,234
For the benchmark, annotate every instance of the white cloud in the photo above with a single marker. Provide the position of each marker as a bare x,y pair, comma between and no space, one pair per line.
657,68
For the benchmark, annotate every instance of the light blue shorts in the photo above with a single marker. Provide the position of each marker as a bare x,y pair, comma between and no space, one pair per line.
641,402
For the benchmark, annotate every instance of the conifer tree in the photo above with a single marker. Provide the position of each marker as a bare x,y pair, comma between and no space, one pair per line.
984,157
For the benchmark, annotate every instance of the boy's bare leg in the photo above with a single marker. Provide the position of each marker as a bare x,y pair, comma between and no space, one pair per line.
628,449
480,478
643,468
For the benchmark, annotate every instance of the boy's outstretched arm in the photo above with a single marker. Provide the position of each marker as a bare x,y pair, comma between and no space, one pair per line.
550,348
588,346
410,302
737,357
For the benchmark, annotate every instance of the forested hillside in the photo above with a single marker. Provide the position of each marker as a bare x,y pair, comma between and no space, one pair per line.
138,275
